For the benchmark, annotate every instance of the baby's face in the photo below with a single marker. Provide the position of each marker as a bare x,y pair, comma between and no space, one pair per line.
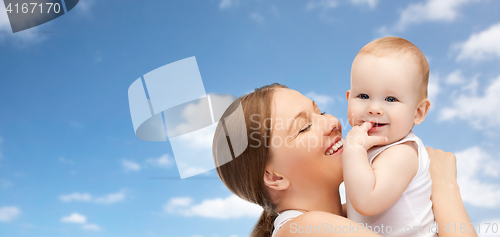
384,91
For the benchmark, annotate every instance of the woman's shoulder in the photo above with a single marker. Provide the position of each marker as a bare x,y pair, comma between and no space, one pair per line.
318,223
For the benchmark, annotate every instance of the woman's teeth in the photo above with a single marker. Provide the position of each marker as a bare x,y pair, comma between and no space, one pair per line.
335,147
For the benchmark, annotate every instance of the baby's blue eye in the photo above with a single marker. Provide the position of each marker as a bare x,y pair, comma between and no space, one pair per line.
364,96
391,99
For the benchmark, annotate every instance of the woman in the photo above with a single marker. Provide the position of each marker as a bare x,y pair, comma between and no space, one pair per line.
288,165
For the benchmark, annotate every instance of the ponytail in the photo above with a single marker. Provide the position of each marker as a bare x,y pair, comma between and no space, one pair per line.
265,225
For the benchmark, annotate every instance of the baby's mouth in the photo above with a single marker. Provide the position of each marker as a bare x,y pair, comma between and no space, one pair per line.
378,124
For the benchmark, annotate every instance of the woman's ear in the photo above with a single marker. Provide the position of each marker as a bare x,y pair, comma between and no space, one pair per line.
422,109
347,94
274,180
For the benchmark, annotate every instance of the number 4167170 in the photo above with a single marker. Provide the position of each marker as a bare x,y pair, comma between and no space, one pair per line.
462,228
26,7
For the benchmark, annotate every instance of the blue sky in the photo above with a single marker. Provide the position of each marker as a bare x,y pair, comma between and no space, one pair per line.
70,164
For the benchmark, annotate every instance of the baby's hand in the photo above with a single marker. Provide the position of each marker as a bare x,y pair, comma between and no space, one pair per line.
358,137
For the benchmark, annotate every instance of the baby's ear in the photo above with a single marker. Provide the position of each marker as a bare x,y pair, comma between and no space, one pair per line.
347,94
422,109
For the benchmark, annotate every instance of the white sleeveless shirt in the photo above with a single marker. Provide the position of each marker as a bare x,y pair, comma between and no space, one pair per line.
411,214
283,218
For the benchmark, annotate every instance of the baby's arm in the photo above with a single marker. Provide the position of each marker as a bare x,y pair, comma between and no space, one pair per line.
373,189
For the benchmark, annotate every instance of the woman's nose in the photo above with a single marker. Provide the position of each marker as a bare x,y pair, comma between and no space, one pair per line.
332,124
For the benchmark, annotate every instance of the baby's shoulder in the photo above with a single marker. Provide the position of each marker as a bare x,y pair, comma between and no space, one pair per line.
407,147
406,151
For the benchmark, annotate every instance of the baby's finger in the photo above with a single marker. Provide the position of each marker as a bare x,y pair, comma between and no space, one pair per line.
375,140
366,126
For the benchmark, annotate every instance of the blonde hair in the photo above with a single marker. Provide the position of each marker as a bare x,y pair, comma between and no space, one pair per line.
397,47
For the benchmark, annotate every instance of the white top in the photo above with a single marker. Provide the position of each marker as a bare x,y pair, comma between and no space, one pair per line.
283,218
413,210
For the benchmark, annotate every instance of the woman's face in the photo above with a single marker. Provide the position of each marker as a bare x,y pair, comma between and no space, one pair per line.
302,139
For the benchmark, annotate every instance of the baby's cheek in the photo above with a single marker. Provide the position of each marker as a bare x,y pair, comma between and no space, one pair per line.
351,114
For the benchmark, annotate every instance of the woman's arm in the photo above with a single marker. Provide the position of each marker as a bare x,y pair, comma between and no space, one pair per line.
447,203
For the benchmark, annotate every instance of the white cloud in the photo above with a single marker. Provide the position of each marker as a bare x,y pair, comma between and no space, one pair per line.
321,4
257,17
68,161
481,46
178,202
189,170
80,219
472,164
86,197
82,197
190,115
9,213
163,161
74,218
193,151
230,207
191,119
111,198
371,3
93,227
130,166
481,111
321,100
455,78
431,10
225,4
433,88
202,139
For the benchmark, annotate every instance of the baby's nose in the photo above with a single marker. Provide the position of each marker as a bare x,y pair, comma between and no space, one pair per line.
375,110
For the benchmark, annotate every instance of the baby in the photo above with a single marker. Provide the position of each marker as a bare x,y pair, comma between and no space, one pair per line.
385,166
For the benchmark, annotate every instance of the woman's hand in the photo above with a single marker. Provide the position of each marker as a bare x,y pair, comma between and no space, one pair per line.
443,168
447,203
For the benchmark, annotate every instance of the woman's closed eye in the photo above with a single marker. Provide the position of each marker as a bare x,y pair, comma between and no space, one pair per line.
305,128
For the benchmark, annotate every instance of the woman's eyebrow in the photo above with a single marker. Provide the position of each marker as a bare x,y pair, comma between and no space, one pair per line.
300,114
